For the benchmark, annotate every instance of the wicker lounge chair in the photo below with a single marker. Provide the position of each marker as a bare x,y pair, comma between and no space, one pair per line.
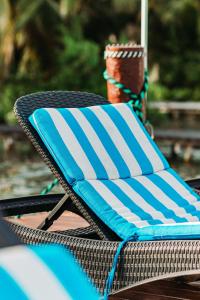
140,260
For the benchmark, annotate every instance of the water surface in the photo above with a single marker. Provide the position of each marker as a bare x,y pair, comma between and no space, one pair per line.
28,177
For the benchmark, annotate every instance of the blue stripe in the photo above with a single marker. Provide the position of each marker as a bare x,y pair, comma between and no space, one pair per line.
51,138
149,198
174,196
85,144
103,210
157,150
108,143
128,136
176,232
190,190
136,209
67,271
9,288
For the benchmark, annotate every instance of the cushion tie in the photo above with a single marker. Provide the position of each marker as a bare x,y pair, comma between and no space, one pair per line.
111,274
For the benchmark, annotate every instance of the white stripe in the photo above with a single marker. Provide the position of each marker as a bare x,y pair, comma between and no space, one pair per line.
119,54
116,204
72,143
130,54
164,198
118,140
179,188
135,54
175,184
125,54
140,136
34,277
140,201
96,143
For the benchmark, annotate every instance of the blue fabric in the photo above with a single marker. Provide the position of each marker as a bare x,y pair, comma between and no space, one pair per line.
17,271
83,140
187,231
9,289
113,152
183,183
179,199
67,271
152,200
48,131
50,136
159,153
185,211
130,139
108,157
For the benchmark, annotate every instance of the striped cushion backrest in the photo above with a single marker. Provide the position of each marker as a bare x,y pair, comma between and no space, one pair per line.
98,142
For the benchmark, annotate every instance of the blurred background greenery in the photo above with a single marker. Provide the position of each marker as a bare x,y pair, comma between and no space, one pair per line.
59,44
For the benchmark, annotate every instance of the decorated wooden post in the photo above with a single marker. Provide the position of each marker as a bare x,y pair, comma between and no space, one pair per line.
126,69
125,64
125,74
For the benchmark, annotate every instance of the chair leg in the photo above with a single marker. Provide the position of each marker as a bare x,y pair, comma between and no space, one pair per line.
56,212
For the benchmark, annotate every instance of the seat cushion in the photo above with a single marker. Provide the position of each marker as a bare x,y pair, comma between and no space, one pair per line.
142,205
98,142
47,272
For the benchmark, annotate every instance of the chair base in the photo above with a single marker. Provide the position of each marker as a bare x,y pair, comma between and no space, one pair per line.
181,285
138,261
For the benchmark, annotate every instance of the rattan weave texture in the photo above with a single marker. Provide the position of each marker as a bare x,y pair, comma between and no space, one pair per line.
138,261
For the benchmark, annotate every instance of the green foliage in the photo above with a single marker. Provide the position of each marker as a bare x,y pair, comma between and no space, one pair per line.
78,65
158,92
10,92
175,47
58,44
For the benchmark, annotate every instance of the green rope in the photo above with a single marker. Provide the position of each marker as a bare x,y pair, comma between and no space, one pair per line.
135,99
49,187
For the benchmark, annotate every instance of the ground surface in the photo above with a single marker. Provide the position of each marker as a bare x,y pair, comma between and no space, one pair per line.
67,221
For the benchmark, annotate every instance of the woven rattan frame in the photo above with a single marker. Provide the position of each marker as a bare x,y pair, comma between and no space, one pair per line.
25,106
139,260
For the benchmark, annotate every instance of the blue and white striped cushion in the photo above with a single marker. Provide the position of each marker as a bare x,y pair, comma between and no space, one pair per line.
38,273
127,205
114,165
98,142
